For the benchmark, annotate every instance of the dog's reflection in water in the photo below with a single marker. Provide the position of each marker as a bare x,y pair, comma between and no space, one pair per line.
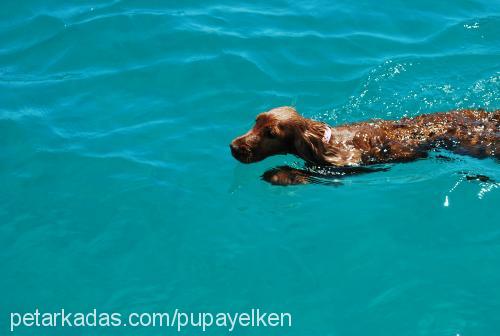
326,175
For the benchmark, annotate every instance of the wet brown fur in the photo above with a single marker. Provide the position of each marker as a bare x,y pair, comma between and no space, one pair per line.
283,131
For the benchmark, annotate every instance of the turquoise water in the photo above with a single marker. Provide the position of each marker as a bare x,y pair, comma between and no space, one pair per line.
119,192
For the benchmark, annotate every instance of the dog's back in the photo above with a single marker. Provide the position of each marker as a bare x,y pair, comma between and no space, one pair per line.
471,132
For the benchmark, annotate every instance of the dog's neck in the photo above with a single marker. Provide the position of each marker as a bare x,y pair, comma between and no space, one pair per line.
312,141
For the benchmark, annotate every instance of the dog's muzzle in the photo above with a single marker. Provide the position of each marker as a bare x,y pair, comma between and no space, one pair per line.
240,152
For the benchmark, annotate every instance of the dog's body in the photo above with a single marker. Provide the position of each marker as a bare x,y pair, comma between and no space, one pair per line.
283,131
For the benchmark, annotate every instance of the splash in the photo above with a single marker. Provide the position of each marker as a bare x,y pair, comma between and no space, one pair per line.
452,189
486,188
401,87
446,201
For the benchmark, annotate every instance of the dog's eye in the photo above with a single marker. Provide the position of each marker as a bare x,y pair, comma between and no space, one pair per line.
268,132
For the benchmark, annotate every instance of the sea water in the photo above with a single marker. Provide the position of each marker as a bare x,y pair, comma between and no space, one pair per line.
119,192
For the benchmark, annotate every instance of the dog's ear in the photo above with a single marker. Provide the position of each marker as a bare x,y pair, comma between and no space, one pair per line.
307,146
310,146
276,131
272,131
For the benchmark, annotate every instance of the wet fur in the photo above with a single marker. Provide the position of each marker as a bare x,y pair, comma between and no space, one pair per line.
283,131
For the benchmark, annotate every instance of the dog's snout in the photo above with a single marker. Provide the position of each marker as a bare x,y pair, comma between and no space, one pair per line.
240,150
235,149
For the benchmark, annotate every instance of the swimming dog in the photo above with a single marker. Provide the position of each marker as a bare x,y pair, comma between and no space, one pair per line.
351,148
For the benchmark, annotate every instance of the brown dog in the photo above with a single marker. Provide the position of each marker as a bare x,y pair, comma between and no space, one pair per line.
349,147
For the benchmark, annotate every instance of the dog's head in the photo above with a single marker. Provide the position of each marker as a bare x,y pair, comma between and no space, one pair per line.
272,134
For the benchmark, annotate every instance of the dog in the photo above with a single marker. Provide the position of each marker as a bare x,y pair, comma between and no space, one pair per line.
352,148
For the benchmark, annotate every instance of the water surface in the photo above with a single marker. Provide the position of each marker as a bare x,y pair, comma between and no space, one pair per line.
119,191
